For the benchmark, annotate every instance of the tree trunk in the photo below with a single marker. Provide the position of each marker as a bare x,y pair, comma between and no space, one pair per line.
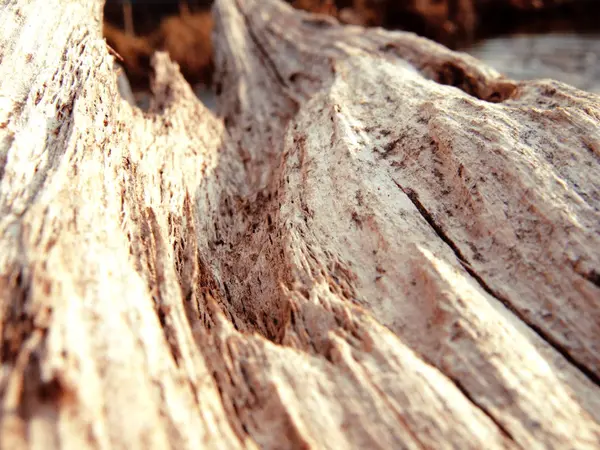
377,243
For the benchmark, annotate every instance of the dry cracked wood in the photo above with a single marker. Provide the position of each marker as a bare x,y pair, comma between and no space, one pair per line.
380,244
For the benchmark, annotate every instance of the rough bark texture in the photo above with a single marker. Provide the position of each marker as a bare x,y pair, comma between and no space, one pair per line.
377,243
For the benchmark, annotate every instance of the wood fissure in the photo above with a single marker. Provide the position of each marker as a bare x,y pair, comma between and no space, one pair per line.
465,263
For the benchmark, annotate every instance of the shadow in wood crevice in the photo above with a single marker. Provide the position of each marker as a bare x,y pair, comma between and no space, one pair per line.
452,74
465,263
19,323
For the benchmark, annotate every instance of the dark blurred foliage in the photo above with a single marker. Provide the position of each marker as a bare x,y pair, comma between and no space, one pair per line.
184,27
148,14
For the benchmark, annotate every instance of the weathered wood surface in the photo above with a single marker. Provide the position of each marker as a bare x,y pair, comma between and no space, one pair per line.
378,243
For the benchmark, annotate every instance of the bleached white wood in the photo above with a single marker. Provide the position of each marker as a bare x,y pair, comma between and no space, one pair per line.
354,253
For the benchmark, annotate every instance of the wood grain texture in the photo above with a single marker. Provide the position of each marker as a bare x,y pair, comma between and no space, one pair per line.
375,243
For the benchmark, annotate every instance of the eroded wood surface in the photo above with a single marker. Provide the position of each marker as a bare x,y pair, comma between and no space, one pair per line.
376,243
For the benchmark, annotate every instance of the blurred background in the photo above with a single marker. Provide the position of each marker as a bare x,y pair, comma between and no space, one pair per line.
523,39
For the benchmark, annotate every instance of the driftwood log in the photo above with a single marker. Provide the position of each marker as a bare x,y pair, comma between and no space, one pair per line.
375,243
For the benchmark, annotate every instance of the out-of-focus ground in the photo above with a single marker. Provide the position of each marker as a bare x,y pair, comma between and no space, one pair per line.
571,58
557,39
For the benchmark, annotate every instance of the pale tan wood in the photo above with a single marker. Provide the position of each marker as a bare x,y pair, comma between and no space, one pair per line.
353,253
